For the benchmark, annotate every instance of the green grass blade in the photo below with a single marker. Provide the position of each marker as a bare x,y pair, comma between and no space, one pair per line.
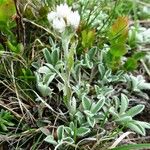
132,147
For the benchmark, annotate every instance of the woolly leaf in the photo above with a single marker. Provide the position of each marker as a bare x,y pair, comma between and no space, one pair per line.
47,55
50,139
86,103
60,132
124,103
98,106
135,128
82,131
135,110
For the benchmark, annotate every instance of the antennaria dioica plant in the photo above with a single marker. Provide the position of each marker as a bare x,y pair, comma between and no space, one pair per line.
88,82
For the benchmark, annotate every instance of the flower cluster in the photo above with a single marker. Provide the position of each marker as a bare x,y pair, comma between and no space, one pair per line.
63,17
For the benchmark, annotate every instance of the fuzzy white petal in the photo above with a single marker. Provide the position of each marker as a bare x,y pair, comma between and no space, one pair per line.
62,17
63,10
52,15
59,24
73,19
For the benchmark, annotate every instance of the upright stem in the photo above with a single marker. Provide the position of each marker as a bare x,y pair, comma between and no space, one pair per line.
67,93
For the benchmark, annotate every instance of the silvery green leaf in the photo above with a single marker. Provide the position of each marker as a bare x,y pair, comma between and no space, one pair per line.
88,113
113,112
87,62
46,77
80,117
98,106
108,74
101,117
124,103
44,89
120,73
139,83
143,95
44,70
96,89
36,65
68,139
86,103
60,132
103,91
59,65
136,128
51,77
124,119
91,121
60,86
143,86
102,71
82,131
38,77
68,130
50,139
117,102
47,55
92,52
143,35
73,105
134,82
51,42
54,70
143,124
114,78
72,126
140,79
135,110
54,56
50,66
105,108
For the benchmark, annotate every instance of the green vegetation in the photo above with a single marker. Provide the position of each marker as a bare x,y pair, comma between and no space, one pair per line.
75,74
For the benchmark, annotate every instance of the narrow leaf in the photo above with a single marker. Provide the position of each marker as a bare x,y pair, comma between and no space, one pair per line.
68,139
135,128
124,119
47,55
135,110
82,131
124,103
98,106
50,139
91,121
86,103
60,132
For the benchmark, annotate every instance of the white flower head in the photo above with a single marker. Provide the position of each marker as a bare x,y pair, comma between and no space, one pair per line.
73,19
64,17
51,16
59,24
63,10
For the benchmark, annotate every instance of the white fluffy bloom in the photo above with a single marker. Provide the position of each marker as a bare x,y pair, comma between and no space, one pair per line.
51,16
59,24
63,17
73,19
63,10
